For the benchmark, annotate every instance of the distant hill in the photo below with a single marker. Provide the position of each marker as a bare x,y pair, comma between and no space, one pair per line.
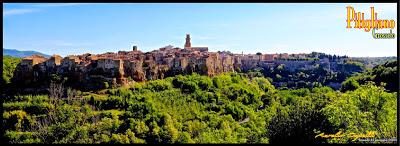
16,53
371,62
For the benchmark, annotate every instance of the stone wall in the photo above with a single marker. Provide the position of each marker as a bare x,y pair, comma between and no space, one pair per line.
126,66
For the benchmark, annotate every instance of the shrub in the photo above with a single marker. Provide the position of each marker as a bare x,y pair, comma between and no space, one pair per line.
21,137
159,85
205,84
189,87
349,85
114,102
235,110
106,85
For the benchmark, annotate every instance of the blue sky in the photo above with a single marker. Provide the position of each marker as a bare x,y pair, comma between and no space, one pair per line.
72,28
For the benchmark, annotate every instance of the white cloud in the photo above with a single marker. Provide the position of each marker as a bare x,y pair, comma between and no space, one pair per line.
58,4
8,12
31,8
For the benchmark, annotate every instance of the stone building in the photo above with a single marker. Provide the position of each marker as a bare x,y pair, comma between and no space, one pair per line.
25,71
188,45
127,66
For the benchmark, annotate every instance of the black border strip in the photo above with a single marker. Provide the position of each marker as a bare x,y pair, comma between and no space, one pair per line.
216,1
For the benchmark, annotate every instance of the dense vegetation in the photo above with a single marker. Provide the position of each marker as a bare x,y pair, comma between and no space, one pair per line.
383,74
370,62
9,65
228,108
318,75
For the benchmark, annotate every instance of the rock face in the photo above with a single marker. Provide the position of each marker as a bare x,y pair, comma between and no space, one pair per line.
127,66
28,70
124,66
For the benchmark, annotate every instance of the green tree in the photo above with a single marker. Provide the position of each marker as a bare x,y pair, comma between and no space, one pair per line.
9,65
349,85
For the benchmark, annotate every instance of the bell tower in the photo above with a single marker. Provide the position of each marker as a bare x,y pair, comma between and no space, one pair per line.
187,43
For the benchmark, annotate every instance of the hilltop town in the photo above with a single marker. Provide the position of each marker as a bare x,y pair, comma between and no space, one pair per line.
124,67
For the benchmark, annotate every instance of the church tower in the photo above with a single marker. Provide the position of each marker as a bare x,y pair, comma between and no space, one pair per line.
187,43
